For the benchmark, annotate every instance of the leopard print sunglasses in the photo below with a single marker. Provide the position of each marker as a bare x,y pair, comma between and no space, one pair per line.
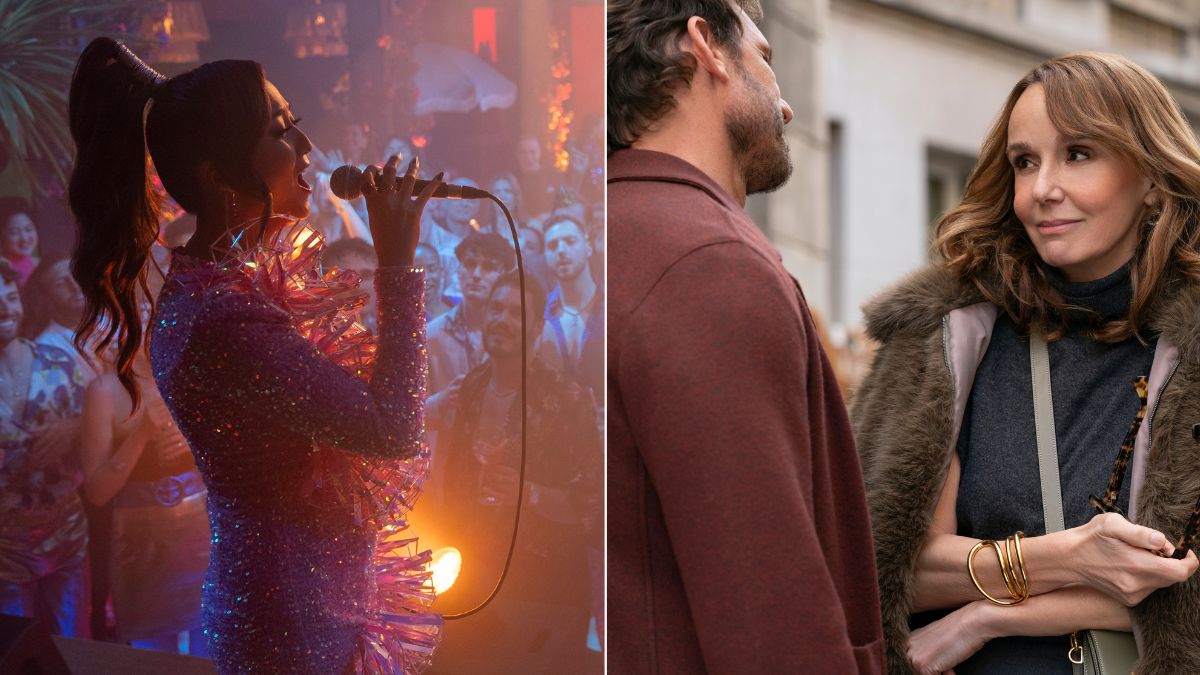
1109,503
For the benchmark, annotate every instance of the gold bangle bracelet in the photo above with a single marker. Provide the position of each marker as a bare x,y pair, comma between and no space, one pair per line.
1006,571
1016,537
1017,588
971,570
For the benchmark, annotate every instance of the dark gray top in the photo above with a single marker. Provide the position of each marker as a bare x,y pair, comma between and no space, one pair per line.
1094,404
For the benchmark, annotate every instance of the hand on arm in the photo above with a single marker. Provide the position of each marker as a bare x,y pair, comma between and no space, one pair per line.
949,641
1109,554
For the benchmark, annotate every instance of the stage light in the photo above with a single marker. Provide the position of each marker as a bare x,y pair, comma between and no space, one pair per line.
446,564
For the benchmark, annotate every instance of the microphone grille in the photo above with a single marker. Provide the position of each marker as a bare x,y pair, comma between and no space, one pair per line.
346,182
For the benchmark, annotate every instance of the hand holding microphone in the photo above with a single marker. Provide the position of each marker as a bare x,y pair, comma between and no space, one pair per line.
393,213
348,182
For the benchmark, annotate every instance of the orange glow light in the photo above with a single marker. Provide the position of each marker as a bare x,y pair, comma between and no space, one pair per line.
445,565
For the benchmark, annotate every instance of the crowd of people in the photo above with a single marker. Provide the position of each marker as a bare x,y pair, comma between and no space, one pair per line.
103,530
472,303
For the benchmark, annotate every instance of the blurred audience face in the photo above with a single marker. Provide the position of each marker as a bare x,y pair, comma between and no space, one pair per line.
461,211
531,242
476,276
354,141
397,146
429,259
19,237
506,193
11,311
567,249
60,287
595,219
364,267
529,155
597,238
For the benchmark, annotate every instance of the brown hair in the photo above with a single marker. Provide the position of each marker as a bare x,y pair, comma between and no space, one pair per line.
1120,105
645,64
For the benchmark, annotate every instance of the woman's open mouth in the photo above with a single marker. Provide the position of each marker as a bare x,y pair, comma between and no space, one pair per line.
303,183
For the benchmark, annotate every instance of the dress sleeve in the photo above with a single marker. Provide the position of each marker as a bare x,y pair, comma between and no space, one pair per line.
715,385
272,369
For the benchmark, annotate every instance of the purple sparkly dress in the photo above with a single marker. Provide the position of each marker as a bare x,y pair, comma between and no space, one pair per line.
308,433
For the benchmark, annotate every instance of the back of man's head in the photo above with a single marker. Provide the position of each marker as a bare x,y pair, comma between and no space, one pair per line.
488,246
645,65
349,252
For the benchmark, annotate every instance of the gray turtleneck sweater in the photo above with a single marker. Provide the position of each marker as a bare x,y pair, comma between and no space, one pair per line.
1094,404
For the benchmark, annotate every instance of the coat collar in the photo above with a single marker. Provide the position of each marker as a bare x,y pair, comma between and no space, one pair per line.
915,305
648,165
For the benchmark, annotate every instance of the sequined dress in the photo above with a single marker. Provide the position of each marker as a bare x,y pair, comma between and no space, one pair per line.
308,433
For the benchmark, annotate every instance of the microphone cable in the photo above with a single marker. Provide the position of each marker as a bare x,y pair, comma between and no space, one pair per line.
512,544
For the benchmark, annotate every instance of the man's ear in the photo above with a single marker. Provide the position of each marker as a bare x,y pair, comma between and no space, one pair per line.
698,41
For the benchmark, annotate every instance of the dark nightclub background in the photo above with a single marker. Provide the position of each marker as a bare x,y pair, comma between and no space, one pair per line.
503,94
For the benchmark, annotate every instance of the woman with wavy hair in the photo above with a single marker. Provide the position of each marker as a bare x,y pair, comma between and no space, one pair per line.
1076,243
307,431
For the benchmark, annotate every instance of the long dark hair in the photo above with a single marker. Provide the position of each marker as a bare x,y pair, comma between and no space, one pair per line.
212,116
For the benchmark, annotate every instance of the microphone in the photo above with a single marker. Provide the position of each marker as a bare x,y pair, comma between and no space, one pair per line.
347,181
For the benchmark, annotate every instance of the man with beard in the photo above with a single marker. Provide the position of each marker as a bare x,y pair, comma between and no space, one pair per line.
539,621
738,532
43,531
575,308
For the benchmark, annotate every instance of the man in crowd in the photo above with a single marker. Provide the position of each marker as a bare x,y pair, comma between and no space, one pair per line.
449,222
55,305
455,339
427,257
532,253
356,256
539,622
43,530
575,309
538,184
735,495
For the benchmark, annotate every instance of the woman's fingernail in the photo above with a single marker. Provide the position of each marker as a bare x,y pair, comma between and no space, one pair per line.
412,165
439,175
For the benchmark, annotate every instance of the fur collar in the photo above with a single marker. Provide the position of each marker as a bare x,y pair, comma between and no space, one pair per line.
915,305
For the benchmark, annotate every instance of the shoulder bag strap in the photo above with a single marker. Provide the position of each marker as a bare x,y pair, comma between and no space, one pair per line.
1047,442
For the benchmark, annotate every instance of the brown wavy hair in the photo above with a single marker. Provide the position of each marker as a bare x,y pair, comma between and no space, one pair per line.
645,65
1120,105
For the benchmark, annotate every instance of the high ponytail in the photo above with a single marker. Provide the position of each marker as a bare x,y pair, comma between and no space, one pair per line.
116,208
213,115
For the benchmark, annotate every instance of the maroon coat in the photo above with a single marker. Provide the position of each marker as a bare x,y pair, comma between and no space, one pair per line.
738,535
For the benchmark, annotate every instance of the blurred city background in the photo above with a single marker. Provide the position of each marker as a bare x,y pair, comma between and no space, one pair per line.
506,95
892,99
